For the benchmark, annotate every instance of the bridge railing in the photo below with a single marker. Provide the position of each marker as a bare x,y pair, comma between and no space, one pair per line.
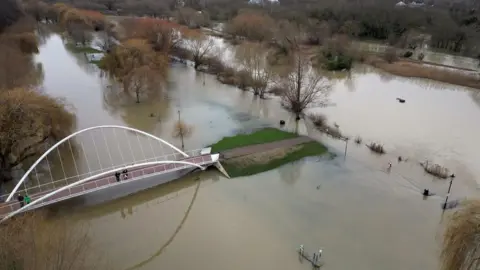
52,185
97,184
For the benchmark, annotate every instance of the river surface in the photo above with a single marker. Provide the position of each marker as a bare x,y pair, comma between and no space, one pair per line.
361,216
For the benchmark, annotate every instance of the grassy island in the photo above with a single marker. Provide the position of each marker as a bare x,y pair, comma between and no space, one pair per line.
264,150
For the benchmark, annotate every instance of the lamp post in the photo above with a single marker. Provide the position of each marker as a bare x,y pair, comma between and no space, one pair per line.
346,145
448,192
180,127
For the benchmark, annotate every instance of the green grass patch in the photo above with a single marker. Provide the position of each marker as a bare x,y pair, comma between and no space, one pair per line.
76,49
98,63
306,150
266,135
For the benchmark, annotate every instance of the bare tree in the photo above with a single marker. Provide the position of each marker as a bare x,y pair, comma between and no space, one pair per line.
200,46
109,4
461,239
108,40
29,122
252,57
31,241
140,81
182,130
288,36
164,37
304,88
252,25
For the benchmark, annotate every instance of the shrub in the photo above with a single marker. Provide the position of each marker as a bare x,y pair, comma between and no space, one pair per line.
243,79
337,54
408,54
376,148
436,170
421,56
319,120
339,62
214,65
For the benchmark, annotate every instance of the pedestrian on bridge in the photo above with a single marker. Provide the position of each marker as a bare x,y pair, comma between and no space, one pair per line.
125,174
20,199
27,199
117,176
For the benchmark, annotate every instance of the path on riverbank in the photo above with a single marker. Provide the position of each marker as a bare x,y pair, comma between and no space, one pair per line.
259,148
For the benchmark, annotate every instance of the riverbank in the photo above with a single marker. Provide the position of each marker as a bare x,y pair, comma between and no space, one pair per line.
411,69
264,150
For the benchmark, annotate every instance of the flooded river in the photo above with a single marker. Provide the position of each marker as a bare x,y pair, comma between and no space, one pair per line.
362,217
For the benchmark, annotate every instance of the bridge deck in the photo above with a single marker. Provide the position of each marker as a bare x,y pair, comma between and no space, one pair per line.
105,182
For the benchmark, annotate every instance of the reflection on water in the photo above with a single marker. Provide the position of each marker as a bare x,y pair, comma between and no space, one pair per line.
342,206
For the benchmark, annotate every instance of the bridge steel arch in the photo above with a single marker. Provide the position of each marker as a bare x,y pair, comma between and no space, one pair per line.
46,196
55,146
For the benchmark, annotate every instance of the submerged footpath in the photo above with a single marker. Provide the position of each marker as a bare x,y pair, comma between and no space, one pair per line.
264,150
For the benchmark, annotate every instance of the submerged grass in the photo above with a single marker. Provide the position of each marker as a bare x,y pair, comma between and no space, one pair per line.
417,70
266,135
76,49
304,150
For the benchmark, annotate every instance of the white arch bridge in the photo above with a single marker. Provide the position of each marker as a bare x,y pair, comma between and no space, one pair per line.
89,160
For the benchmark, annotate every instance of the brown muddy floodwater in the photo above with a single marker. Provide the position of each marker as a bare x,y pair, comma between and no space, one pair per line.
362,217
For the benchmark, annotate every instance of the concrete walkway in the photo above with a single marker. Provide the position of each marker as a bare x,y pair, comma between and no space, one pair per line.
258,148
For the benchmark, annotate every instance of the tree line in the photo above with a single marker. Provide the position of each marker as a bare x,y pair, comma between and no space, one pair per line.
448,25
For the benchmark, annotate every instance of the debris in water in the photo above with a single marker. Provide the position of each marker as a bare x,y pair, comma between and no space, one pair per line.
314,260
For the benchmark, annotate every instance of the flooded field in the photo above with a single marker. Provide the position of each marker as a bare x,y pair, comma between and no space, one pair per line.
361,216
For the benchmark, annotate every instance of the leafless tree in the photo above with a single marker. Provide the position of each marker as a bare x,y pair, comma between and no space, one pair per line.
252,57
461,239
109,4
304,88
182,130
288,36
251,25
141,81
108,39
200,46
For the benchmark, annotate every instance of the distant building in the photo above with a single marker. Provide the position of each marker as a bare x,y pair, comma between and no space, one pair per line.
414,4
261,2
